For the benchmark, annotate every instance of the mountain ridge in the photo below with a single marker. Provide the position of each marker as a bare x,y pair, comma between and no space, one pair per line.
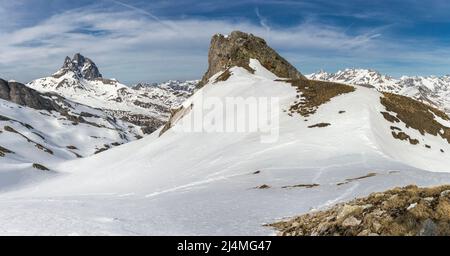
432,90
80,80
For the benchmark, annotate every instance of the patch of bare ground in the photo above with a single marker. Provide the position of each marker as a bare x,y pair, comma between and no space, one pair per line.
415,114
10,129
224,76
371,174
4,151
314,93
175,115
76,154
390,117
319,125
312,185
37,145
4,118
104,148
404,136
302,186
263,186
40,167
397,212
40,136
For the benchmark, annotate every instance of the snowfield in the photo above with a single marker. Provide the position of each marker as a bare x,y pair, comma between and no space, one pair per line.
204,183
43,137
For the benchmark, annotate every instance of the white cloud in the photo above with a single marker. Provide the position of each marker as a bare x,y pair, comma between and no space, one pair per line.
262,20
132,46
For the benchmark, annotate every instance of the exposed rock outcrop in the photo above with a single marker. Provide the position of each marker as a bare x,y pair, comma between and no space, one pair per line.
237,49
400,211
25,96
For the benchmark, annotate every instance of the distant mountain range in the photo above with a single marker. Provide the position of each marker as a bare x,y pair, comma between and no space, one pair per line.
38,129
146,105
76,113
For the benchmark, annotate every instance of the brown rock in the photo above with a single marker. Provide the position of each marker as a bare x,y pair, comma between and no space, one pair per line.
351,222
348,210
237,49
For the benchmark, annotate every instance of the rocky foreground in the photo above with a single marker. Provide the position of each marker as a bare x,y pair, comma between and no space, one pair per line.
401,211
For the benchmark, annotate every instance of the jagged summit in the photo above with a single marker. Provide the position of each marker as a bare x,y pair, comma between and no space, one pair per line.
237,48
83,67
79,80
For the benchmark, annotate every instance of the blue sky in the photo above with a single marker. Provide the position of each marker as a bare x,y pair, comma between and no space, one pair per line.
135,40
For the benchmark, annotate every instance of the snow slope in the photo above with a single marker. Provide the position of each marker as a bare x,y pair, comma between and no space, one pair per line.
44,137
197,183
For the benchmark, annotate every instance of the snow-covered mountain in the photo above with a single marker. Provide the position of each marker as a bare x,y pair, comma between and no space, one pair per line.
333,142
430,89
185,88
147,106
39,129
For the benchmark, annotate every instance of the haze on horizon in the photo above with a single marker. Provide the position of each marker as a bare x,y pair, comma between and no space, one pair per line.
137,40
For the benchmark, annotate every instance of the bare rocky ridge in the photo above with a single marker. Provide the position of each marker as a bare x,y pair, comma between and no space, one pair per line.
237,49
25,96
400,211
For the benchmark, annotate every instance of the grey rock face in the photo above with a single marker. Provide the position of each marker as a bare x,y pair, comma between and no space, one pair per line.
237,49
82,66
429,228
25,96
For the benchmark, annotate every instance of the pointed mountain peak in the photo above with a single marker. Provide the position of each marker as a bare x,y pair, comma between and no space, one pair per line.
238,48
83,67
67,62
78,58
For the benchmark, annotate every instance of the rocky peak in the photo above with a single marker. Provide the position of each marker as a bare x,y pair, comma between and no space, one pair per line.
237,48
83,67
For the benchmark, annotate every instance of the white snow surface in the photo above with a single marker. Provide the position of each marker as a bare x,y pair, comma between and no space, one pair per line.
44,137
186,183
